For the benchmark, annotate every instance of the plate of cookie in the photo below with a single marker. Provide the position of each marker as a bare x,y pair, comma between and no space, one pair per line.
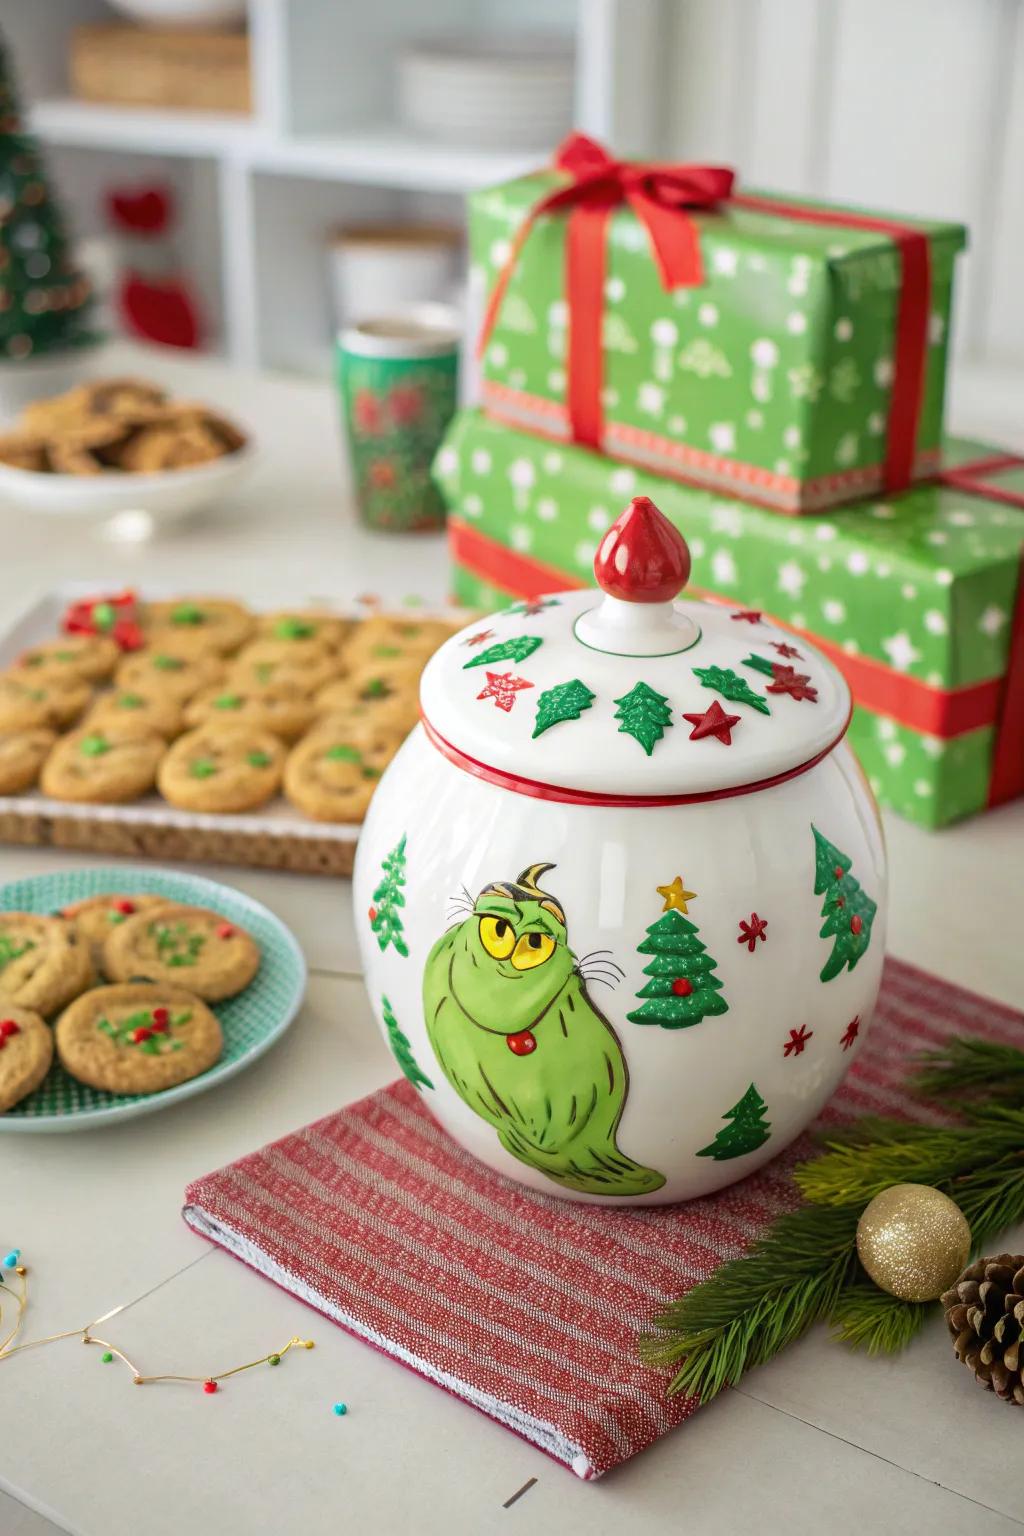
122,992
119,445
194,727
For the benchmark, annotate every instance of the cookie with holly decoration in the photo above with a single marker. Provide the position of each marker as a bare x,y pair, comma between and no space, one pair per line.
108,766
27,703
331,778
365,712
70,659
146,714
289,625
284,713
137,1038
95,918
222,768
26,1050
171,673
22,755
188,946
43,962
197,625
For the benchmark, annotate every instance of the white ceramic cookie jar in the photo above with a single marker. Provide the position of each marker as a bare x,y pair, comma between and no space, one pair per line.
621,894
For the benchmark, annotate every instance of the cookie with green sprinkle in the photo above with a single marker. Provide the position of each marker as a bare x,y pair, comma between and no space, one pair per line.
282,711
170,673
197,625
43,962
222,768
187,946
103,766
141,1037
70,659
95,918
150,713
330,777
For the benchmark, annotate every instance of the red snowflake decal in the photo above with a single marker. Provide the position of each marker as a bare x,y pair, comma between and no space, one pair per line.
797,1042
479,638
502,687
751,615
785,650
796,684
850,1033
712,722
750,932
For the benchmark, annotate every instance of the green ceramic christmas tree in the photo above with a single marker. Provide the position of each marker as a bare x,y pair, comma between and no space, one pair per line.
748,1129
401,1050
682,988
847,910
44,298
385,915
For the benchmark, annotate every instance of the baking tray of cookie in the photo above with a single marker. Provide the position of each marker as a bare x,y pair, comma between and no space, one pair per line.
276,834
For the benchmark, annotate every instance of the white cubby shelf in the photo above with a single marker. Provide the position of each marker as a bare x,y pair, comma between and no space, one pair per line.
260,193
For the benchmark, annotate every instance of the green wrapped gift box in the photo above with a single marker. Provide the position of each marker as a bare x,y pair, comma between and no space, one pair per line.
915,598
796,357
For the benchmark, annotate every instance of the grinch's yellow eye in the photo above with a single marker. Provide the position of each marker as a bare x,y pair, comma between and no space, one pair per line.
533,949
497,936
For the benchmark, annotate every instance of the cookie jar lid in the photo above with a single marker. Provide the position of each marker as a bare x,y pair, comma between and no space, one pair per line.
633,693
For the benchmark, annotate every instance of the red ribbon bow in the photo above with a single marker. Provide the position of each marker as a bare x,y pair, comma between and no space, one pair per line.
660,197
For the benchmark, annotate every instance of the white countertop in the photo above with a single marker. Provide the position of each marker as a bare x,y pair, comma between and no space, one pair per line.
819,1440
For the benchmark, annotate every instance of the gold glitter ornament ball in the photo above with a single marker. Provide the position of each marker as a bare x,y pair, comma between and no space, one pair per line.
913,1241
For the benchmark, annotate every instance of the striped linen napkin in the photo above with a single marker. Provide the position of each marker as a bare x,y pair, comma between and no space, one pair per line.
525,1305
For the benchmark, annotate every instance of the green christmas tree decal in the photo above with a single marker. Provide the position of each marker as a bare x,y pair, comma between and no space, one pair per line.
401,1050
732,687
565,701
682,989
44,298
644,714
516,649
847,910
384,914
748,1131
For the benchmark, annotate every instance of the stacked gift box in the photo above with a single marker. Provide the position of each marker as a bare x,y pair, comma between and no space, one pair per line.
772,375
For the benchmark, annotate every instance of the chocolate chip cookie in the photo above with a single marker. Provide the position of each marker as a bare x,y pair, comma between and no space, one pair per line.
26,1050
221,768
22,754
137,1038
190,946
105,767
43,963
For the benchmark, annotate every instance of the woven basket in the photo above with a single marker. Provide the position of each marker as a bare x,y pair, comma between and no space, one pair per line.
148,67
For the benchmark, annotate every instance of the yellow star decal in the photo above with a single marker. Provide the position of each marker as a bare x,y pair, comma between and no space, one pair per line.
676,896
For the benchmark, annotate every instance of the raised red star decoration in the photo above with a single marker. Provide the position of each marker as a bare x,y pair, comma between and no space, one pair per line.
750,932
796,684
850,1033
797,1042
502,687
479,638
531,606
785,650
751,615
712,722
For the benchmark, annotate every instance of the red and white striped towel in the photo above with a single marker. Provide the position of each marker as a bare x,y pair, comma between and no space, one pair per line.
525,1305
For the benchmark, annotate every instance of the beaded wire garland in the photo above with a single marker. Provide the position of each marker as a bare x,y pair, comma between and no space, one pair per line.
19,1296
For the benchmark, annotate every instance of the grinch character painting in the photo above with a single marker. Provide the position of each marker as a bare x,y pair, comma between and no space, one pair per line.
520,1040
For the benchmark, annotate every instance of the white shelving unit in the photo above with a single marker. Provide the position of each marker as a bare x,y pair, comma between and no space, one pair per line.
259,194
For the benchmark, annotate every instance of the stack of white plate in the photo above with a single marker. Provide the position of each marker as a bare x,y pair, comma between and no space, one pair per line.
492,91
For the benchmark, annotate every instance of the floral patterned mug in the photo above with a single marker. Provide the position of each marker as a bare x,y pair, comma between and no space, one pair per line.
397,377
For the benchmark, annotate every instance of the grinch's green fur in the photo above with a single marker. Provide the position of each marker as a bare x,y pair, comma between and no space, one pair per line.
558,1108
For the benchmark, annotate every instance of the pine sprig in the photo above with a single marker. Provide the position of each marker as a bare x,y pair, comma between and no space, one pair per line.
752,1307
965,1066
871,1320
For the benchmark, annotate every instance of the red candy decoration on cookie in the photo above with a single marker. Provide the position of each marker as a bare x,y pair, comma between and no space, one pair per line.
124,906
8,1028
225,931
142,1033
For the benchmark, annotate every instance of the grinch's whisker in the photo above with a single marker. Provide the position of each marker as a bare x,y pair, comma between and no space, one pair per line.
602,980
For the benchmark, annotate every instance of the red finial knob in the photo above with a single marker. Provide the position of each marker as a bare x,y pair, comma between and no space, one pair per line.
642,558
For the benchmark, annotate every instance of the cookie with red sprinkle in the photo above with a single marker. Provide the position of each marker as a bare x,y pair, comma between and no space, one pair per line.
139,1037
26,1050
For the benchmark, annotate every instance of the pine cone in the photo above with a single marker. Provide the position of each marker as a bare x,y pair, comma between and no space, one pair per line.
985,1314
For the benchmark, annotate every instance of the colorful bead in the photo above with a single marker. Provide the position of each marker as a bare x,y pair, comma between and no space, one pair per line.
341,1409
106,1357
209,1386
308,1344
11,1259
273,1359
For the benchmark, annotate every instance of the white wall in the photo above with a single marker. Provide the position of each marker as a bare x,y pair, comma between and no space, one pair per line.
912,106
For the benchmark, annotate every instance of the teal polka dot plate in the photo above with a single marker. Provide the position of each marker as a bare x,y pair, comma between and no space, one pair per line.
251,1022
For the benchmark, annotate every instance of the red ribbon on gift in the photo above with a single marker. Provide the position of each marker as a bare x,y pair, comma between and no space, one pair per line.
663,198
